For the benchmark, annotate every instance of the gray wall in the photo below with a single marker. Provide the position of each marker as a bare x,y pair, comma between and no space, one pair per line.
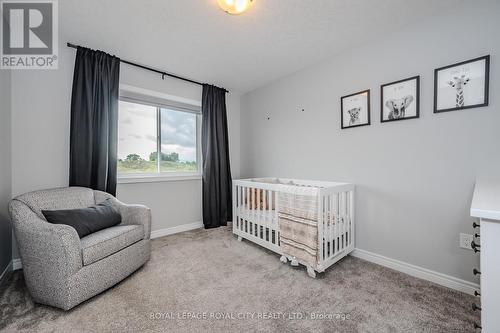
5,169
40,137
415,177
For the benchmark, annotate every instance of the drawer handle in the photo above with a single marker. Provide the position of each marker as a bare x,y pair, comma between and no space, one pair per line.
475,307
474,245
476,326
477,235
476,293
476,272
475,225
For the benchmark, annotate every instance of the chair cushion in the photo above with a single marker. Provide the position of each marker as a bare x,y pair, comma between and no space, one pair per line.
105,242
86,220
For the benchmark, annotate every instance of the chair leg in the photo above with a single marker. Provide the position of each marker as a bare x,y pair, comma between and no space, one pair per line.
284,259
239,238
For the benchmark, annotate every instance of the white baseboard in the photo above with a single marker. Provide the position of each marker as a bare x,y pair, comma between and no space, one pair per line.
5,271
16,264
176,229
419,272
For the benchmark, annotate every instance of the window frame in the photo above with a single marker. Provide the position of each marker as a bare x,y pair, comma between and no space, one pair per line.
162,101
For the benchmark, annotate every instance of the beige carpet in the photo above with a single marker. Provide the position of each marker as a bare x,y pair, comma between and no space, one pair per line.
209,273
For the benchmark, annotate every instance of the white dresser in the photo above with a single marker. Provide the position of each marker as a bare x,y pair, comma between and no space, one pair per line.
486,206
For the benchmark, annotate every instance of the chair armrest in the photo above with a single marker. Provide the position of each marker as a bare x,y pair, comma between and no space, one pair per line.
131,214
136,214
48,251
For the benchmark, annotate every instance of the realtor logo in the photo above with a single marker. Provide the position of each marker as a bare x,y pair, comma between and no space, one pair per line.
29,34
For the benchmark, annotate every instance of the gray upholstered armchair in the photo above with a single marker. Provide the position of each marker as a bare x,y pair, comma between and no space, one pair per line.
63,270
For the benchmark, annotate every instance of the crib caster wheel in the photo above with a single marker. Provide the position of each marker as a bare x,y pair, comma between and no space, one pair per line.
239,238
294,262
311,272
283,259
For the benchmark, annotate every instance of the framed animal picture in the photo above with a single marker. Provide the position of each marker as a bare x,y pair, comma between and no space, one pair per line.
400,99
462,86
355,109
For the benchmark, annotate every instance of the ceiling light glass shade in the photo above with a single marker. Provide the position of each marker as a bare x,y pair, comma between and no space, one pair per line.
234,7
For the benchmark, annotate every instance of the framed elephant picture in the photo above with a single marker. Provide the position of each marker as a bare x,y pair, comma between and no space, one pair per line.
400,100
462,86
355,110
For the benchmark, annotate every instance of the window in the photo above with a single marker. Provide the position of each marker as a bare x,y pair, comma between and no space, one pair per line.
157,139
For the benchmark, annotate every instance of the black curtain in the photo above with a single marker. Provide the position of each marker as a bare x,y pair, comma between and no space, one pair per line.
94,121
217,183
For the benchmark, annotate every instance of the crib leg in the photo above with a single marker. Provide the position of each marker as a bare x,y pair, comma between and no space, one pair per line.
239,238
311,272
294,262
284,259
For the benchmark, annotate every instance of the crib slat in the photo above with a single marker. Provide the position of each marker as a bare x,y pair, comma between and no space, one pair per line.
330,226
351,218
241,206
344,213
341,224
272,221
264,214
235,206
346,222
348,219
320,230
324,241
254,215
337,221
259,212
250,211
243,197
242,209
238,207
334,223
273,216
327,226
321,225
273,236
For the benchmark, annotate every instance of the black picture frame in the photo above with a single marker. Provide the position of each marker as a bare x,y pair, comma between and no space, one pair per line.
417,99
486,58
367,91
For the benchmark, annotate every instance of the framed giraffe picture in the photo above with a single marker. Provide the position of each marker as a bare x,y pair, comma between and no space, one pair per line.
462,86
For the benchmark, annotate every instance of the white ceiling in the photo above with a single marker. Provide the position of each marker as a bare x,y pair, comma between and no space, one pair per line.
194,38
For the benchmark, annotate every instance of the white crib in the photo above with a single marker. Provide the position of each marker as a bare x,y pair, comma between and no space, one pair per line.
258,223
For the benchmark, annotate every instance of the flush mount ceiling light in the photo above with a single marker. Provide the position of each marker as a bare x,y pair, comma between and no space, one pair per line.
234,7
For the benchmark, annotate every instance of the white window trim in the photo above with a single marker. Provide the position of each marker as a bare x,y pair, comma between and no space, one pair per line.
125,94
153,178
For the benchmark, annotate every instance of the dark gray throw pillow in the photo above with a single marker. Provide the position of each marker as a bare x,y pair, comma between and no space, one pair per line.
86,220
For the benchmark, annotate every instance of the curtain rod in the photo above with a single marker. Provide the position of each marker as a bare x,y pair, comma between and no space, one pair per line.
163,74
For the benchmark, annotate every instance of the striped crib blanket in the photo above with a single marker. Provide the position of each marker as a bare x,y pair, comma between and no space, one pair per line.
298,223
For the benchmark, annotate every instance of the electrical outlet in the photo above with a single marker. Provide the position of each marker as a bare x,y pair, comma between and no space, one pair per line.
465,241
